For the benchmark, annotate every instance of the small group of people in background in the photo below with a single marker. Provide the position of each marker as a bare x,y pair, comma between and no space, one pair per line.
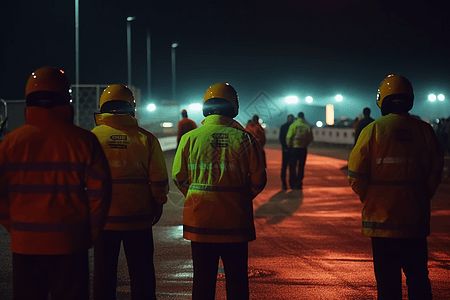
64,189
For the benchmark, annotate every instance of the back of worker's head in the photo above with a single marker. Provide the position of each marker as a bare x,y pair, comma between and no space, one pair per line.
221,99
47,87
366,112
290,118
301,115
117,99
255,119
184,113
395,95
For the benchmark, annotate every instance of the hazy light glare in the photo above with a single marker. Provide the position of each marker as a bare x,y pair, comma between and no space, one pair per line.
338,98
441,97
432,97
263,125
167,124
330,114
151,107
196,106
291,99
319,124
309,99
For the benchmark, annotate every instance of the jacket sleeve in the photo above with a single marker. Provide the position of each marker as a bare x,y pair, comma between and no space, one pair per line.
290,135
180,172
257,170
436,166
98,187
157,169
5,220
359,165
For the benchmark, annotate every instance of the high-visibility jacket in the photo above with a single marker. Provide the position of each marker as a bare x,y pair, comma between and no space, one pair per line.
299,134
219,168
257,131
55,184
138,170
395,168
184,126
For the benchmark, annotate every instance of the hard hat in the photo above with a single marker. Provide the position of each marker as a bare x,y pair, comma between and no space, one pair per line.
220,92
395,87
47,84
117,92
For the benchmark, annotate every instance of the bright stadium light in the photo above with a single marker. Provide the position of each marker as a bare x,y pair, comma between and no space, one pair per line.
196,106
441,97
291,99
319,124
151,107
432,97
167,124
338,98
309,99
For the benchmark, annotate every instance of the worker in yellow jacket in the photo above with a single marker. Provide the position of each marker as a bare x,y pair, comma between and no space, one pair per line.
55,192
395,168
219,168
298,138
140,188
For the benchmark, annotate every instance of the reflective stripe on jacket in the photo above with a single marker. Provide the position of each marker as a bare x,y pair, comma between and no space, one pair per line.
395,168
138,170
219,168
55,184
299,135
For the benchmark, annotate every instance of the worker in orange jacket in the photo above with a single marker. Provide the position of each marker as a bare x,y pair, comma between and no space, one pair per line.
140,188
395,168
55,192
184,125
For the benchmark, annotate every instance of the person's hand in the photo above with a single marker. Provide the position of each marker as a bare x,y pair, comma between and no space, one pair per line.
157,213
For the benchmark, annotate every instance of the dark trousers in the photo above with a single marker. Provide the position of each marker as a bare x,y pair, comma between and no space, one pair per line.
390,256
138,248
64,277
297,167
285,158
205,257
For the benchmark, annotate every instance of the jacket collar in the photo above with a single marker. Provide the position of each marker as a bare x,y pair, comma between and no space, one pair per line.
61,113
119,121
222,120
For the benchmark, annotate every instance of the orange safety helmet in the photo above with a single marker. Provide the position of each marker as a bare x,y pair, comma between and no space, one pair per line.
218,95
395,88
117,92
46,87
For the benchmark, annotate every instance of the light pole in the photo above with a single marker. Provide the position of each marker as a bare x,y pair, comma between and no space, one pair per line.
174,90
77,61
129,19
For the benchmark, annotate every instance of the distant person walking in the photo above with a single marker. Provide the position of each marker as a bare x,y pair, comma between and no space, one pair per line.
258,132
395,168
363,122
285,154
185,125
55,193
298,138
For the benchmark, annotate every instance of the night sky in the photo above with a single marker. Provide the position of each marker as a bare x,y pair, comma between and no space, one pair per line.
318,48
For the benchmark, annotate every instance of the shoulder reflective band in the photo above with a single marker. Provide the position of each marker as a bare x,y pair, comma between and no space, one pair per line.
211,188
219,231
73,228
362,176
